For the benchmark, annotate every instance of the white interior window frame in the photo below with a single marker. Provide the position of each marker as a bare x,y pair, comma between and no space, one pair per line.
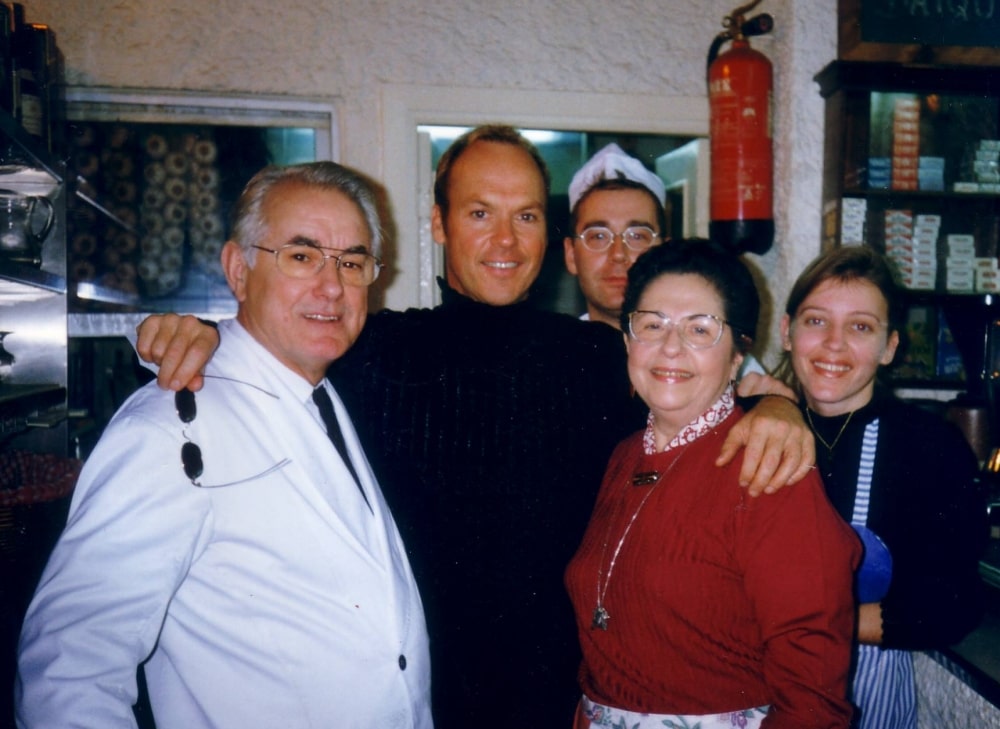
150,106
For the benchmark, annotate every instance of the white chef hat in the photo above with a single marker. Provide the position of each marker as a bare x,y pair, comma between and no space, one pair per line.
611,163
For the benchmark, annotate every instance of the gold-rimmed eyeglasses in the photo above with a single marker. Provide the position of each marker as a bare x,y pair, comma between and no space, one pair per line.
301,260
636,237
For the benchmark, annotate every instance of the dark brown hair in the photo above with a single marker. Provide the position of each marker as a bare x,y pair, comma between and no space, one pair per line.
845,264
723,270
620,184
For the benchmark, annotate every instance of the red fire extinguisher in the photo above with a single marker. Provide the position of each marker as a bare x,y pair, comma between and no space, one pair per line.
740,100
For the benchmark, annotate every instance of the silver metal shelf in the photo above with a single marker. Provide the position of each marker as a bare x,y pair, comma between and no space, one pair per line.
20,283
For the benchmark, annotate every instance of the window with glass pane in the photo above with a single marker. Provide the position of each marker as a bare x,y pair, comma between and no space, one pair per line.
154,181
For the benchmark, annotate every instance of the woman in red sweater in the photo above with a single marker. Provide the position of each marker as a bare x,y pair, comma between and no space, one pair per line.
696,603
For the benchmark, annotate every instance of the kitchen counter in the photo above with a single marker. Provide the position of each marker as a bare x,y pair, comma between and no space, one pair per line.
976,659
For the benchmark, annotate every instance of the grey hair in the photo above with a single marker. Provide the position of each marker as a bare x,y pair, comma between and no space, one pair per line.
249,226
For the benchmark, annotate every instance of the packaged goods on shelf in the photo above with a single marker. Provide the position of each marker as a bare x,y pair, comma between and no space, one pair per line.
980,171
987,275
960,280
912,248
905,143
852,220
948,359
961,244
930,173
879,173
960,274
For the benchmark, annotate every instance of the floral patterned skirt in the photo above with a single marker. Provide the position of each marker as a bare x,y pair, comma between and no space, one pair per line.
590,715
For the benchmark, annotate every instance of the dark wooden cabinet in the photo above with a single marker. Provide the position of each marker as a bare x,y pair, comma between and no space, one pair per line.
912,168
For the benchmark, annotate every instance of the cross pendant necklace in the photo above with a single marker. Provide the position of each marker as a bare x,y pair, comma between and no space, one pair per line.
649,478
600,618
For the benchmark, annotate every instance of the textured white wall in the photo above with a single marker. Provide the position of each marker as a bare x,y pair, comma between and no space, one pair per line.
351,48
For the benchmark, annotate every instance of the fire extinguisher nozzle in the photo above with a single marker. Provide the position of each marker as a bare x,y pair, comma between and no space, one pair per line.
758,25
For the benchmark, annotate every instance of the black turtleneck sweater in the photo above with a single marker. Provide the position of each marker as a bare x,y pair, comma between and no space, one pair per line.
927,508
489,429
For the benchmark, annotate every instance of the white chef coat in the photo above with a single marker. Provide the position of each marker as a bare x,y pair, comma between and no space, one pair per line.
280,600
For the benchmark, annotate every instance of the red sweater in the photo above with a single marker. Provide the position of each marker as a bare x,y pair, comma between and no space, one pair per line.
717,601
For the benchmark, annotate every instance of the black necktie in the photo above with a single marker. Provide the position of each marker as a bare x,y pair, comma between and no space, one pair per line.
325,405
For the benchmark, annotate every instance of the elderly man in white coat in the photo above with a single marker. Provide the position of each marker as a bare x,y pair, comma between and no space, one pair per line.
226,542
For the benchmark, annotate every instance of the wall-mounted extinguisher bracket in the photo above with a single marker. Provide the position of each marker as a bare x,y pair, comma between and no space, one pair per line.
740,84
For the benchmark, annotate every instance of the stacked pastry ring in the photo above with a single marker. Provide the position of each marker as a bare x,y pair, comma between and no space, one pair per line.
163,213
162,188
207,232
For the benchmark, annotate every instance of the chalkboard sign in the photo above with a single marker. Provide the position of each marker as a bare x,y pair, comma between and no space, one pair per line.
973,23
920,31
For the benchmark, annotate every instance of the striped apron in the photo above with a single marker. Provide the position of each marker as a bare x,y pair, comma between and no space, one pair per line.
883,686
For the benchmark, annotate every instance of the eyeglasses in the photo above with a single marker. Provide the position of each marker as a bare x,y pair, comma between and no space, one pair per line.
697,331
300,260
636,238
191,460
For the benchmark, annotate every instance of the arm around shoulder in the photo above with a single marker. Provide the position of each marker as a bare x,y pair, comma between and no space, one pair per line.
779,445
180,345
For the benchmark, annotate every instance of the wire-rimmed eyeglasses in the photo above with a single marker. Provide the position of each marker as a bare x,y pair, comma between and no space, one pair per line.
697,331
301,260
636,237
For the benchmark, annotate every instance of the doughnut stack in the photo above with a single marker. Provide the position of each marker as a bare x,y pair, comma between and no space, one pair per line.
180,204
161,187
102,250
207,231
121,193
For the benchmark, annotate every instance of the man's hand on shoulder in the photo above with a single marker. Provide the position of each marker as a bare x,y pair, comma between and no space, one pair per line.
754,384
180,345
779,446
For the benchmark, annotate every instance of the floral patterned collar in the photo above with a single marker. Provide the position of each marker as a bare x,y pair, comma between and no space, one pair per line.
719,411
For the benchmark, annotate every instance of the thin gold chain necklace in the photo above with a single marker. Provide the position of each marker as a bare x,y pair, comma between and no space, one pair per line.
829,446
652,479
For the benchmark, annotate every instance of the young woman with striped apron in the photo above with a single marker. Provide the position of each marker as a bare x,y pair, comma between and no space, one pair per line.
902,476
